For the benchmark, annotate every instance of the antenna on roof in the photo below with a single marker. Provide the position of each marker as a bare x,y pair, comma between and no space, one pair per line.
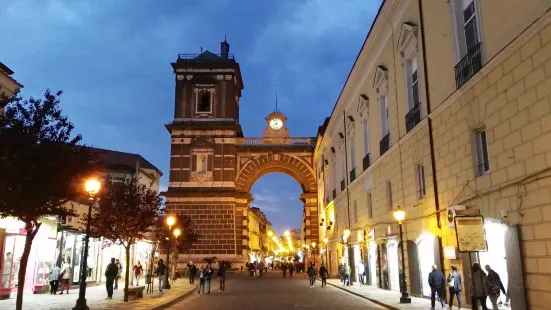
201,49
276,110
225,37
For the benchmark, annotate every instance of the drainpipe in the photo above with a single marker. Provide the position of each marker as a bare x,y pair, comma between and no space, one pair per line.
431,138
349,245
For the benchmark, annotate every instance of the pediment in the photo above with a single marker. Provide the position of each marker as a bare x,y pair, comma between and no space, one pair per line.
381,76
408,36
363,105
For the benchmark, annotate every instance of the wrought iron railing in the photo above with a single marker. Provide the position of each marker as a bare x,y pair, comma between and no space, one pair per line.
204,56
366,161
413,117
334,193
384,144
352,174
468,66
275,141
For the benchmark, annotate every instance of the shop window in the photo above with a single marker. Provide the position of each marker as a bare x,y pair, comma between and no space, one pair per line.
483,158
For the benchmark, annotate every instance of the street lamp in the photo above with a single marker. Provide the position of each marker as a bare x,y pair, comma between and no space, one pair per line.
270,233
170,222
287,233
92,187
400,215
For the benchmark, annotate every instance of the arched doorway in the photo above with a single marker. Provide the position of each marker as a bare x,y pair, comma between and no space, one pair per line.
393,265
425,246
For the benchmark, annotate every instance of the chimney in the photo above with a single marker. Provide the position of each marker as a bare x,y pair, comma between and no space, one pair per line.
224,49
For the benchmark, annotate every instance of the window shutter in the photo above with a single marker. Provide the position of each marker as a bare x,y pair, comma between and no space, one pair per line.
194,162
210,162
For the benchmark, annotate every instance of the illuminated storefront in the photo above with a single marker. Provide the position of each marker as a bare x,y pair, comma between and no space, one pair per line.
41,256
70,250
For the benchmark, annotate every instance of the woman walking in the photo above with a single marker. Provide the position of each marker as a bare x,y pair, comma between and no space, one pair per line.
66,276
479,291
201,280
221,276
208,277
138,269
455,288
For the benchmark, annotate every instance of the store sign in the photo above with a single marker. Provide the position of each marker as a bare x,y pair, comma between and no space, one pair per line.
470,233
449,252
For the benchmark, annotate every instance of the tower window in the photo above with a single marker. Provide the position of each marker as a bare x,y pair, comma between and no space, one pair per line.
204,105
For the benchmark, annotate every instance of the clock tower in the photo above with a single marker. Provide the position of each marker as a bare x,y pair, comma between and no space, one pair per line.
276,128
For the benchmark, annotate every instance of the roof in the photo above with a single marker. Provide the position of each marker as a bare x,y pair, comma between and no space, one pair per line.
9,72
122,159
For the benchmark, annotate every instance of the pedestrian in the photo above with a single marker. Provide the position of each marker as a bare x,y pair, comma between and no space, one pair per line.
478,287
260,269
66,276
361,270
454,285
54,279
291,269
221,276
252,269
111,273
208,277
119,265
138,269
191,274
494,286
347,271
201,280
324,273
311,274
341,272
161,273
437,286
284,269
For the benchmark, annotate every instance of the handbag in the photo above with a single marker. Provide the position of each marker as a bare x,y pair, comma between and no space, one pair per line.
451,281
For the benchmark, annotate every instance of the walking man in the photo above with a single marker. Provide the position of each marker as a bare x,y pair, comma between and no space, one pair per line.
323,274
161,273
54,279
436,283
311,274
260,269
347,271
111,273
361,270
221,276
454,284
208,277
494,285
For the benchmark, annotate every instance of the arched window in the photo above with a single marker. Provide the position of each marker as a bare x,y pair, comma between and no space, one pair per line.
204,102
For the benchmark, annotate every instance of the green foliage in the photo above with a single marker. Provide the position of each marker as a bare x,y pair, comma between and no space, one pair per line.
210,259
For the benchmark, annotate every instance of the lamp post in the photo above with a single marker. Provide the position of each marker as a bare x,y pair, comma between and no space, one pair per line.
314,252
92,186
169,221
177,233
400,215
325,241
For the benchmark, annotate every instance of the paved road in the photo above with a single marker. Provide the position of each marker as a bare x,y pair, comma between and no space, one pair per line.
274,292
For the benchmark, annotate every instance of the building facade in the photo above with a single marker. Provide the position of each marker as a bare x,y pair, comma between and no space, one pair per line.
445,112
8,85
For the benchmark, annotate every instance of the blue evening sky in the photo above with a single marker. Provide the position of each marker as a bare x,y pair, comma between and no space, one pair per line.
112,60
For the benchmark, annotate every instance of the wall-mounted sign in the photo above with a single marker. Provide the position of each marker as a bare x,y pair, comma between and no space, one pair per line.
470,233
449,252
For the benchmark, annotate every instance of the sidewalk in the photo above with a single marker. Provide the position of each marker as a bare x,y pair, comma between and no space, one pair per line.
95,297
387,299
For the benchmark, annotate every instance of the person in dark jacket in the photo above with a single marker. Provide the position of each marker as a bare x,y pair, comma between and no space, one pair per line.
284,268
111,272
494,286
324,273
454,285
291,269
161,273
311,274
221,276
437,284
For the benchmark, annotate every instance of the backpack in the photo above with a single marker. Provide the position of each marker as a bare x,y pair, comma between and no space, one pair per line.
493,287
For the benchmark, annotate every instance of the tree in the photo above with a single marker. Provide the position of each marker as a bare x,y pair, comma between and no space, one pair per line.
126,212
41,166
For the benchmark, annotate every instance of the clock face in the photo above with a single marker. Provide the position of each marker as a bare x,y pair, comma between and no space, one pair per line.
276,123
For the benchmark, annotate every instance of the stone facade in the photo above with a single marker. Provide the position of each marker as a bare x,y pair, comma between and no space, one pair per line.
8,85
213,167
466,128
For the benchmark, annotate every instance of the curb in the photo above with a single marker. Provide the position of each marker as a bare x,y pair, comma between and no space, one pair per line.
175,300
364,297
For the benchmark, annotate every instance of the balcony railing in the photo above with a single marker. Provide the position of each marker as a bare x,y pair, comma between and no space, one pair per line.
468,66
413,117
352,174
205,57
343,185
384,145
334,193
275,141
366,161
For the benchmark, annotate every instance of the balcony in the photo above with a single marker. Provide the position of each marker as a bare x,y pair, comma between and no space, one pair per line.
366,161
334,194
384,145
468,66
413,117
352,175
343,185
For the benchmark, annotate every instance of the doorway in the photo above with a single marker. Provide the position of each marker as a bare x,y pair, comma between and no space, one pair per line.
426,260
373,278
393,266
496,254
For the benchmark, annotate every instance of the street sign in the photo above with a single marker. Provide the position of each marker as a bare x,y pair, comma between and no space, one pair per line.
469,230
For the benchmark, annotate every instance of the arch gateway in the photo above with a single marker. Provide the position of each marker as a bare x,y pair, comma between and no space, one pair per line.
213,166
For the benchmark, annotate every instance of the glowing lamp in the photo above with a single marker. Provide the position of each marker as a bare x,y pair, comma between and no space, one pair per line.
92,187
399,214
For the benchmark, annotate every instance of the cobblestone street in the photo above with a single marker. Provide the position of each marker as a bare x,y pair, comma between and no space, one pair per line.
274,292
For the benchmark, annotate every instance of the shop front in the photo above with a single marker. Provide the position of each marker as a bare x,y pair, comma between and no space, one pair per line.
70,251
41,257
